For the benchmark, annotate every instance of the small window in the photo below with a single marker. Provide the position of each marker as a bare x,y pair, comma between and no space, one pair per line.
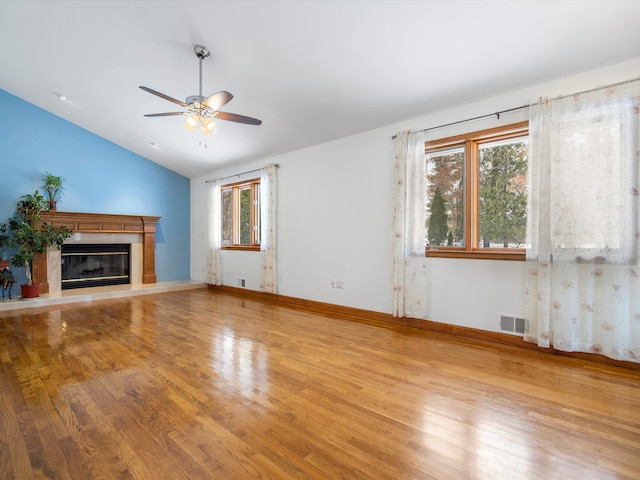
476,198
240,204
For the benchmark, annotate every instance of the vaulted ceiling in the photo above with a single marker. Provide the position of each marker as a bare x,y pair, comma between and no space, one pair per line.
312,71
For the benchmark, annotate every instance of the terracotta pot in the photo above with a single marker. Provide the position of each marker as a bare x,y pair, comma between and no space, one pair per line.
4,264
30,291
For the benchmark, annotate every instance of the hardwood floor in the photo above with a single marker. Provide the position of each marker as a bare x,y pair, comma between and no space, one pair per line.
202,384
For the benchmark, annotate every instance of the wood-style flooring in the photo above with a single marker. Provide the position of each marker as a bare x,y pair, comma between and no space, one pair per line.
201,384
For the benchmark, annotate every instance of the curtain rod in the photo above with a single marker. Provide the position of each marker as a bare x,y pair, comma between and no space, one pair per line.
596,89
526,106
238,174
497,114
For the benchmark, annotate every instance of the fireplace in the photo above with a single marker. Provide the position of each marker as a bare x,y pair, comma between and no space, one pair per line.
94,265
138,232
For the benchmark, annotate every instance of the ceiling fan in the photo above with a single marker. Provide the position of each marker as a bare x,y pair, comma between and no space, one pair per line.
200,109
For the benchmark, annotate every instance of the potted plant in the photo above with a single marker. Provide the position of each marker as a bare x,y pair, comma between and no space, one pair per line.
6,276
5,242
52,184
29,236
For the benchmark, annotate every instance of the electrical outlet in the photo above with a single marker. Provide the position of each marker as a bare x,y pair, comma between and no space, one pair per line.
340,284
333,284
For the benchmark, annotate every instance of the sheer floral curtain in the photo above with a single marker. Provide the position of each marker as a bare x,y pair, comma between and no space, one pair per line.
583,285
213,235
409,263
268,190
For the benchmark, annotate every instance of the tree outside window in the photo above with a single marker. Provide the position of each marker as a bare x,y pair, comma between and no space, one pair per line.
503,194
445,197
476,195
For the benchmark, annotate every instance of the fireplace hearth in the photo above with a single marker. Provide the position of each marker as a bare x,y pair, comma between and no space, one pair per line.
94,265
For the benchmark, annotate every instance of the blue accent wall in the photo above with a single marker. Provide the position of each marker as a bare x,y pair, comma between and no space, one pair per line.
100,177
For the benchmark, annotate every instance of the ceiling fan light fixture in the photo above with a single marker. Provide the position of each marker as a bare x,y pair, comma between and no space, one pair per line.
207,126
191,122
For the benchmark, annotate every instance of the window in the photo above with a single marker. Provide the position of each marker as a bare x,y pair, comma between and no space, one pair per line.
588,181
476,201
241,215
588,224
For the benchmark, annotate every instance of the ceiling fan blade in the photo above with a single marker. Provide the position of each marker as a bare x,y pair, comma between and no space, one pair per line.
233,117
162,95
168,114
217,100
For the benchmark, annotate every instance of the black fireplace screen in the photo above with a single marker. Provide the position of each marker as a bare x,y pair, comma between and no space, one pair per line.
93,265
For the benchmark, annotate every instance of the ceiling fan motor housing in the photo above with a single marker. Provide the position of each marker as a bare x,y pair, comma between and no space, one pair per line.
194,99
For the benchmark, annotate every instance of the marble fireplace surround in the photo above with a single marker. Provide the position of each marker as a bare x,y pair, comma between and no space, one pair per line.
137,231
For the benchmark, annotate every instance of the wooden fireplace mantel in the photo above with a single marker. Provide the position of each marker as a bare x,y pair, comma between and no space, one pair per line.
102,223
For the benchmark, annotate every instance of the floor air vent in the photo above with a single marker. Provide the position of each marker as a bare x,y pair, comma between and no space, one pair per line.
512,324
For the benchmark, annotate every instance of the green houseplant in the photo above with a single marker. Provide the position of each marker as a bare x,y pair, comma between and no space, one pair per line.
52,184
5,243
29,236
6,277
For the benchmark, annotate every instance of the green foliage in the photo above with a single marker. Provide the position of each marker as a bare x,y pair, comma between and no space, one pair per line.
503,194
438,220
5,240
52,184
245,216
28,235
29,206
445,172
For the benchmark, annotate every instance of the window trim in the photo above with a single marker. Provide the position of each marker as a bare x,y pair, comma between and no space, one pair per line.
470,142
235,188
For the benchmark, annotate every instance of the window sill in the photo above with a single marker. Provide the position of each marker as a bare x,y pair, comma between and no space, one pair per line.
484,254
248,248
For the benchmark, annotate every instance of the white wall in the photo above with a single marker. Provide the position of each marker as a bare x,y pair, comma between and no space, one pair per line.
334,219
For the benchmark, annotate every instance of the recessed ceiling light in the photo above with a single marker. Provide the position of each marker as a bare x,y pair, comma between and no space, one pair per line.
63,98
154,145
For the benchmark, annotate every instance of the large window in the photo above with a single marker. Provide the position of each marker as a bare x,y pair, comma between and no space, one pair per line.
241,215
477,194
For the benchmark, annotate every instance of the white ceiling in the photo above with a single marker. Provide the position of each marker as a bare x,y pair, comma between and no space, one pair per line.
312,71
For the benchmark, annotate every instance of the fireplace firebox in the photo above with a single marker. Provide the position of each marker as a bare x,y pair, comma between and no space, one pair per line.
94,265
